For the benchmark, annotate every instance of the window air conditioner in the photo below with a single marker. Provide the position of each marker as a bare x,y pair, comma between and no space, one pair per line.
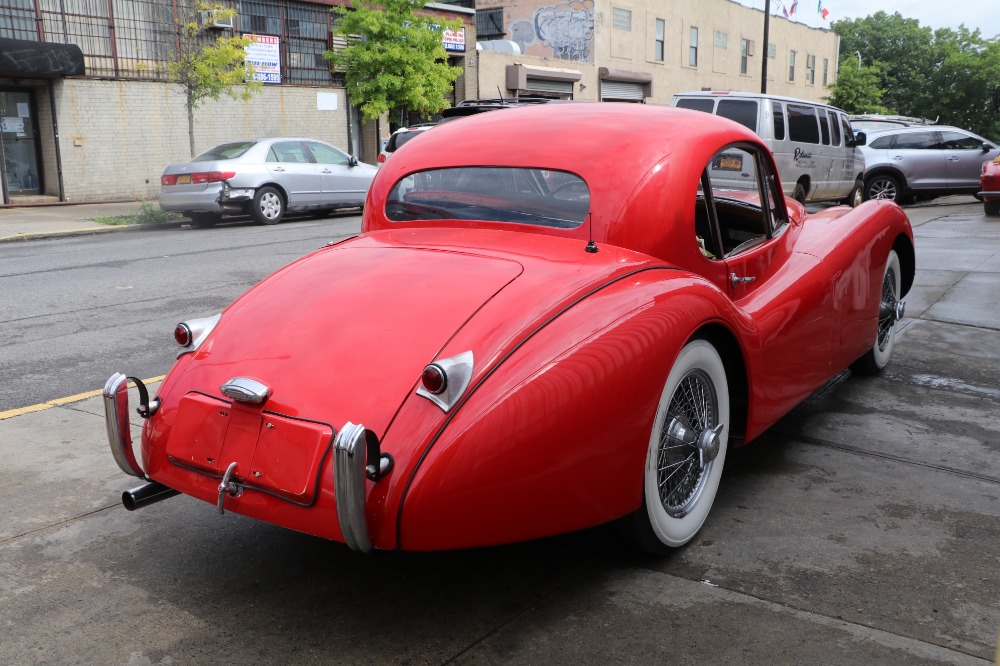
213,20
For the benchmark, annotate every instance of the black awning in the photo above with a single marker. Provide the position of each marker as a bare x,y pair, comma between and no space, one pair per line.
19,57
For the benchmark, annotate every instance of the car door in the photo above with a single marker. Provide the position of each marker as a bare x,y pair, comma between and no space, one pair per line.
917,156
964,156
291,166
342,182
782,291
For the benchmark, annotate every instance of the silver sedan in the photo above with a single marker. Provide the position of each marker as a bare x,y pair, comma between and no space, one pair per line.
265,178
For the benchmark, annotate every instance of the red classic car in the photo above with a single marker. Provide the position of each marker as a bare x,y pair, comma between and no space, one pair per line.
553,318
989,183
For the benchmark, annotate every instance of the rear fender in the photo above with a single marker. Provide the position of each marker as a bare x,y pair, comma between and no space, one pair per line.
554,439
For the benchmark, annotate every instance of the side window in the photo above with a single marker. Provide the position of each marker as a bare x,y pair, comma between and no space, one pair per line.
916,140
959,141
288,151
835,121
325,154
881,143
802,124
742,111
779,120
735,207
706,105
848,130
824,126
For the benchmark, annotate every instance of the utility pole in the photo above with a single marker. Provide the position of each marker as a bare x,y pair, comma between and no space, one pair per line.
767,30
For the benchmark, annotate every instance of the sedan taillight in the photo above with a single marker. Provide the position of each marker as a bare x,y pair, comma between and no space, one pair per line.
168,179
212,176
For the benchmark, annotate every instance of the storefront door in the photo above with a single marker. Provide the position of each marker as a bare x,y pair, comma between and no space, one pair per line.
19,133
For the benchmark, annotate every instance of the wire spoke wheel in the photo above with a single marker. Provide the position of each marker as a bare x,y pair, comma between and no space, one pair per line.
686,451
680,473
890,311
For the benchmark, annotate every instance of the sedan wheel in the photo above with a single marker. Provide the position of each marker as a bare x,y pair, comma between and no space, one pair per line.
883,187
268,207
687,449
890,312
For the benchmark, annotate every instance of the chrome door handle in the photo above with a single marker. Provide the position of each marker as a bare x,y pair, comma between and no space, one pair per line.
737,280
279,168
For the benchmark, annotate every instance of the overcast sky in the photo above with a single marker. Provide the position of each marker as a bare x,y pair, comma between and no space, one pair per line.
930,13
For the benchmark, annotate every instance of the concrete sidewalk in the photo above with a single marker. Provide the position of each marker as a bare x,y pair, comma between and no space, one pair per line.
48,221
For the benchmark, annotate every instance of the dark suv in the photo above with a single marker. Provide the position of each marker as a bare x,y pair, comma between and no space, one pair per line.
924,161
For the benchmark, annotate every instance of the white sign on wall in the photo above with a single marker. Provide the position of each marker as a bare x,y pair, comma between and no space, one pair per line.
264,53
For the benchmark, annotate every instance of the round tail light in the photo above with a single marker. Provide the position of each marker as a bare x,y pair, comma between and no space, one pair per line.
434,379
182,335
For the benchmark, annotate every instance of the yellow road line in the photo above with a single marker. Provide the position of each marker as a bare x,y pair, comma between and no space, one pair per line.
20,411
25,235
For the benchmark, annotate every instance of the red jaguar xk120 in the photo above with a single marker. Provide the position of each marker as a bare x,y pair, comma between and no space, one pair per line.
554,317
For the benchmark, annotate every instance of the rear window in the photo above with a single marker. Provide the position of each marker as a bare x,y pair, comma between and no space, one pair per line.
226,151
802,125
741,110
881,142
706,105
540,197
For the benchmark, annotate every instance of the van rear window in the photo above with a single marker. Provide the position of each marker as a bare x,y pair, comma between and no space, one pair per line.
706,105
802,124
743,111
779,120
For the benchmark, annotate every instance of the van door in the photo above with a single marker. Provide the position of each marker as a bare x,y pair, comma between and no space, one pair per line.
804,142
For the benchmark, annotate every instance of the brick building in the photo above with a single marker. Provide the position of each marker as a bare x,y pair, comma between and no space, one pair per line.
86,113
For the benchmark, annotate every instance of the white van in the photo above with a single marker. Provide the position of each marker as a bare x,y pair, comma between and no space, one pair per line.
813,144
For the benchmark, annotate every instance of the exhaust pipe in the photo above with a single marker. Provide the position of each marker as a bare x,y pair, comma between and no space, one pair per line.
149,493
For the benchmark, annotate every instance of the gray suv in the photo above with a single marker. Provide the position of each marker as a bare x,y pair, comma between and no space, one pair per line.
924,161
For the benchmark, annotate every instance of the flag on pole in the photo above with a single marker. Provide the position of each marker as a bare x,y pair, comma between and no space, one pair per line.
795,5
822,10
784,9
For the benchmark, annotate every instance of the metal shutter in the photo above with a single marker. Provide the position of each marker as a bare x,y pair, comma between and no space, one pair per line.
544,85
622,90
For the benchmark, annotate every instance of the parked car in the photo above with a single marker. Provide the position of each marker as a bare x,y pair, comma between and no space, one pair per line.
924,161
264,178
463,109
400,137
813,144
989,190
526,342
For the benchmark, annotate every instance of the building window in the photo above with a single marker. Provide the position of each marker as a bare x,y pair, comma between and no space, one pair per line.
810,70
721,40
772,51
621,18
791,65
661,30
693,48
746,50
826,71
489,24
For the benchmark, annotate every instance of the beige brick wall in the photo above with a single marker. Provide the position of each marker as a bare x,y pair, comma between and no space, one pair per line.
117,136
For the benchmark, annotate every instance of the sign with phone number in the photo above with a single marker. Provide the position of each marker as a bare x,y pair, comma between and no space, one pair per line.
264,53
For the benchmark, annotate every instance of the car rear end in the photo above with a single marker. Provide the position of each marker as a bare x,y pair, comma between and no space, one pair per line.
209,183
989,189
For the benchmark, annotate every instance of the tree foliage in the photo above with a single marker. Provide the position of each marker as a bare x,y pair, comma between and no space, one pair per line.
858,89
207,67
395,60
952,76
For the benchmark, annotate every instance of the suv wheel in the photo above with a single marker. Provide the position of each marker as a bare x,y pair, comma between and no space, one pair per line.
883,186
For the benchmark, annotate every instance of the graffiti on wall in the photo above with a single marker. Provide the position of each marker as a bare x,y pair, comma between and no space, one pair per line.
564,30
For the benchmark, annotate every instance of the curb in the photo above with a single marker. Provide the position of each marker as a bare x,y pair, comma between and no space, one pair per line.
87,231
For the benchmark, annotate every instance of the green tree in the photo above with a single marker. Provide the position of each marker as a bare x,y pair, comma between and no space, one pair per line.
206,67
858,89
901,49
395,59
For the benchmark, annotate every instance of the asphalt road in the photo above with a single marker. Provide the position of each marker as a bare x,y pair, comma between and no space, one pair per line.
75,310
864,528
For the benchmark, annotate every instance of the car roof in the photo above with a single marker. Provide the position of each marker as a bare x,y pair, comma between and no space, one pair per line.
732,94
909,129
582,138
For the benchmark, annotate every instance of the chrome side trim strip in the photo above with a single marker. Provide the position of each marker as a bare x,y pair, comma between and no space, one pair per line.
350,453
116,421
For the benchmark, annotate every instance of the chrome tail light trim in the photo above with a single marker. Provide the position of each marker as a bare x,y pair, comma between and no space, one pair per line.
458,373
200,328
116,421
